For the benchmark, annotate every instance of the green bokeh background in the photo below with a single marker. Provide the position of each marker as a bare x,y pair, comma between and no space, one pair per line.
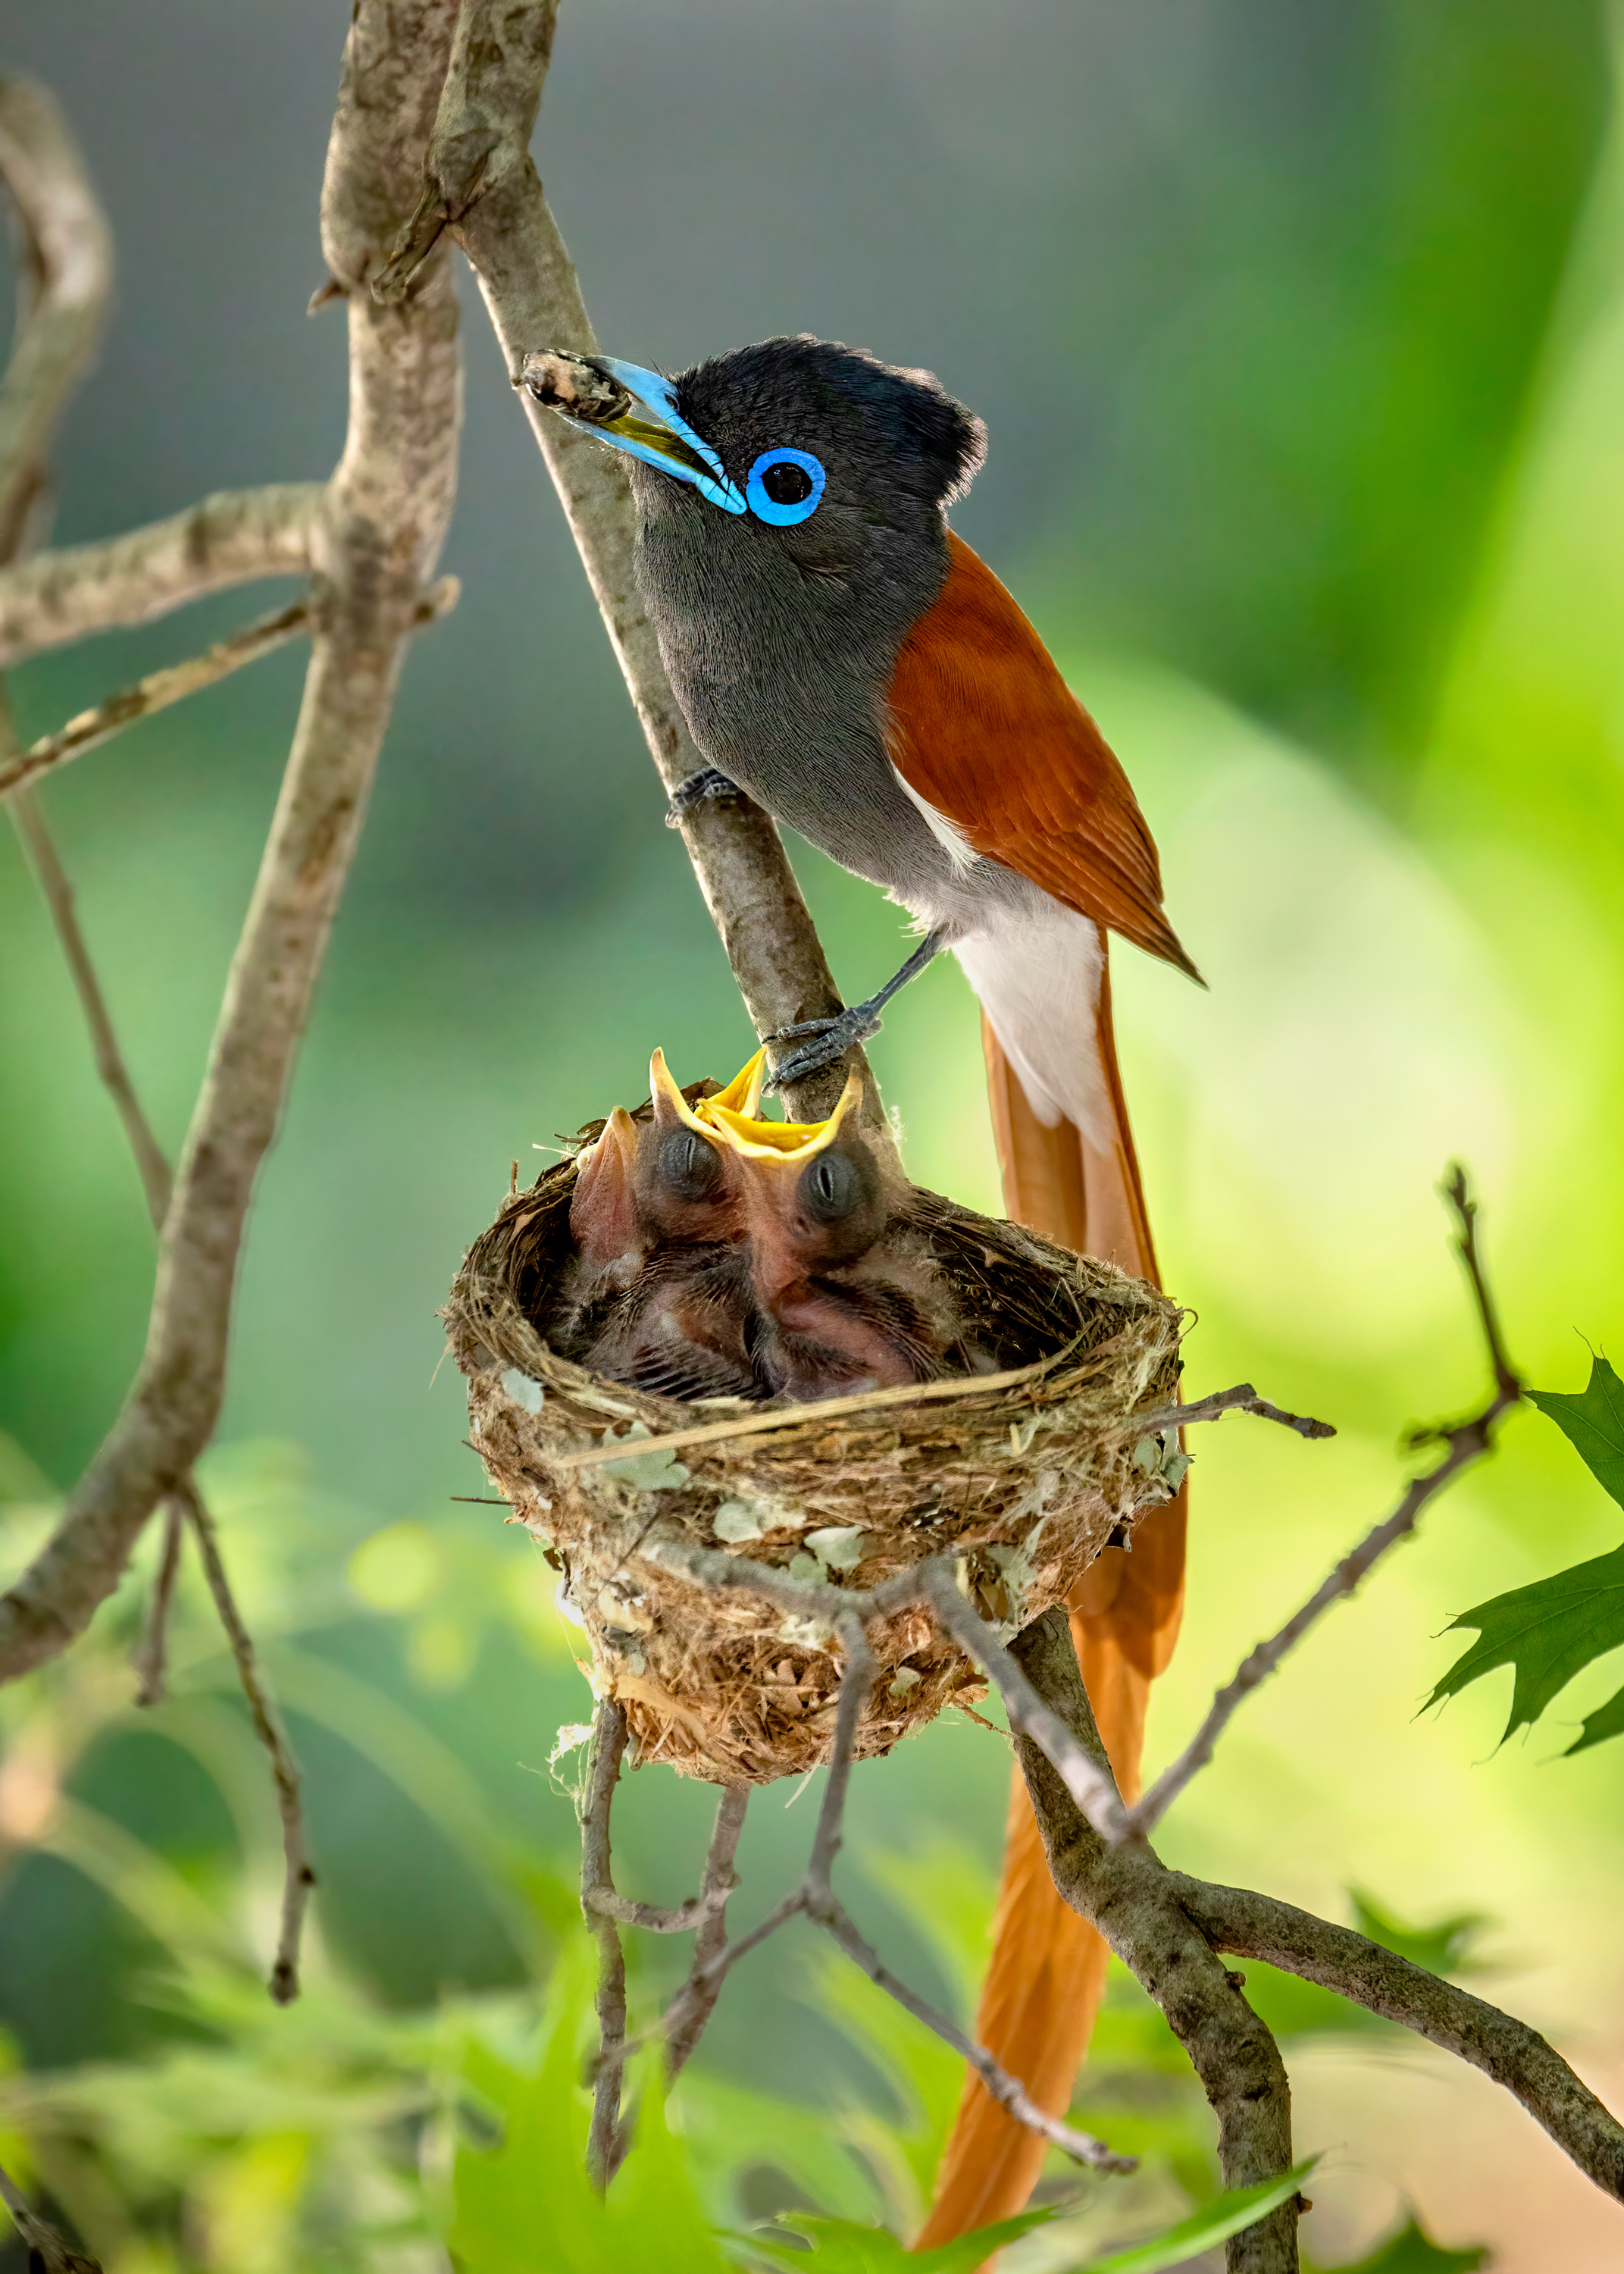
1300,337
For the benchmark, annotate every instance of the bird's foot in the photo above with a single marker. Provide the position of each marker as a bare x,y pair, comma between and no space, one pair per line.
705,784
826,1040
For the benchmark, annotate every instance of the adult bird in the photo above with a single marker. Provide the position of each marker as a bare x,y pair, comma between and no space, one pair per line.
842,656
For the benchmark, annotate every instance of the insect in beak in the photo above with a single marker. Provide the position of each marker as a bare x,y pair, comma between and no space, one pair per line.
634,409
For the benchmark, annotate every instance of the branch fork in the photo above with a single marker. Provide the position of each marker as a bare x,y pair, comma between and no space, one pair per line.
814,1897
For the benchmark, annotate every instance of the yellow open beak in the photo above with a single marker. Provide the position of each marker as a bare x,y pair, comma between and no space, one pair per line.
664,1090
732,1114
775,1141
743,1093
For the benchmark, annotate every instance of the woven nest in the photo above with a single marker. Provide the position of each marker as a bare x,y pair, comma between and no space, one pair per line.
1024,1480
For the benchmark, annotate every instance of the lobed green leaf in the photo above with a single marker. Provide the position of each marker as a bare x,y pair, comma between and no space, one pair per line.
1593,1422
1409,2252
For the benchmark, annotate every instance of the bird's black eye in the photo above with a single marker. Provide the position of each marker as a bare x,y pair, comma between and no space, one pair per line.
689,1167
832,1186
786,483
784,486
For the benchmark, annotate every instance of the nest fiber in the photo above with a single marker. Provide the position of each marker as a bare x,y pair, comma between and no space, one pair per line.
1023,1481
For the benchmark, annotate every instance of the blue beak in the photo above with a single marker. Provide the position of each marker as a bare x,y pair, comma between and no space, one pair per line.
633,409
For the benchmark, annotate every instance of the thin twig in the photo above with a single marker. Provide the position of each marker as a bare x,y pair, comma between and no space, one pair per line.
298,1877
231,538
1507,1379
1242,1399
1467,1442
682,1918
186,1500
855,1684
717,1884
151,1166
598,1897
156,692
606,2140
55,2255
1007,2090
160,688
148,1658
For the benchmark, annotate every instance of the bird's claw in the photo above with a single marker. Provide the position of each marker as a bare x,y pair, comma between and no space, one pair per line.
706,783
829,1040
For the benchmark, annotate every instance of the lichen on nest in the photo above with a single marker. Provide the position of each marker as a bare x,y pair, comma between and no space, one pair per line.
1024,1481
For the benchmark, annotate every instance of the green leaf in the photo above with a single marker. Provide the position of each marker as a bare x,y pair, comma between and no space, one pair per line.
1227,2214
1593,1422
1606,1722
840,2247
1549,1631
529,2203
1443,1949
1408,2252
730,2129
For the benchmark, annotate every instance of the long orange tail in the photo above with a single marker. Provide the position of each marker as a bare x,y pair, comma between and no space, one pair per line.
1047,1973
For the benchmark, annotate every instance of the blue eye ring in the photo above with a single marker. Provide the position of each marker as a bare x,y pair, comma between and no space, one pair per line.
766,508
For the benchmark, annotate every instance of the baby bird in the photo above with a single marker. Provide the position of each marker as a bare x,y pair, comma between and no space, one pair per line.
655,1294
713,1254
846,1298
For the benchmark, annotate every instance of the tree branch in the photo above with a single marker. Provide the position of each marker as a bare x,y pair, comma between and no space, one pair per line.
1467,1442
232,538
41,2239
1251,1925
608,2139
149,1657
484,191
70,256
1137,1905
717,1884
374,545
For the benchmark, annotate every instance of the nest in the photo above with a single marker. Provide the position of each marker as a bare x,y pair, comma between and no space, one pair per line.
1023,1475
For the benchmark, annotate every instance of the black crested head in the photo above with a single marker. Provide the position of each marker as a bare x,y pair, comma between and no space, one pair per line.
866,421
779,625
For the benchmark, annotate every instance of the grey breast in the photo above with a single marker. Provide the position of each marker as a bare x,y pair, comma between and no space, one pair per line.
781,669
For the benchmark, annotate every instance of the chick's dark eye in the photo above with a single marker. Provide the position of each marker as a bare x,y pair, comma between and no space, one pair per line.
689,1167
832,1188
784,486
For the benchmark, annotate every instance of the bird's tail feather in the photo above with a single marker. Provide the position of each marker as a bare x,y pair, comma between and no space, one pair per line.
1047,1973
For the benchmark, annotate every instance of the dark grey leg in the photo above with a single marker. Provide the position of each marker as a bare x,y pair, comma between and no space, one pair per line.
706,783
831,1038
